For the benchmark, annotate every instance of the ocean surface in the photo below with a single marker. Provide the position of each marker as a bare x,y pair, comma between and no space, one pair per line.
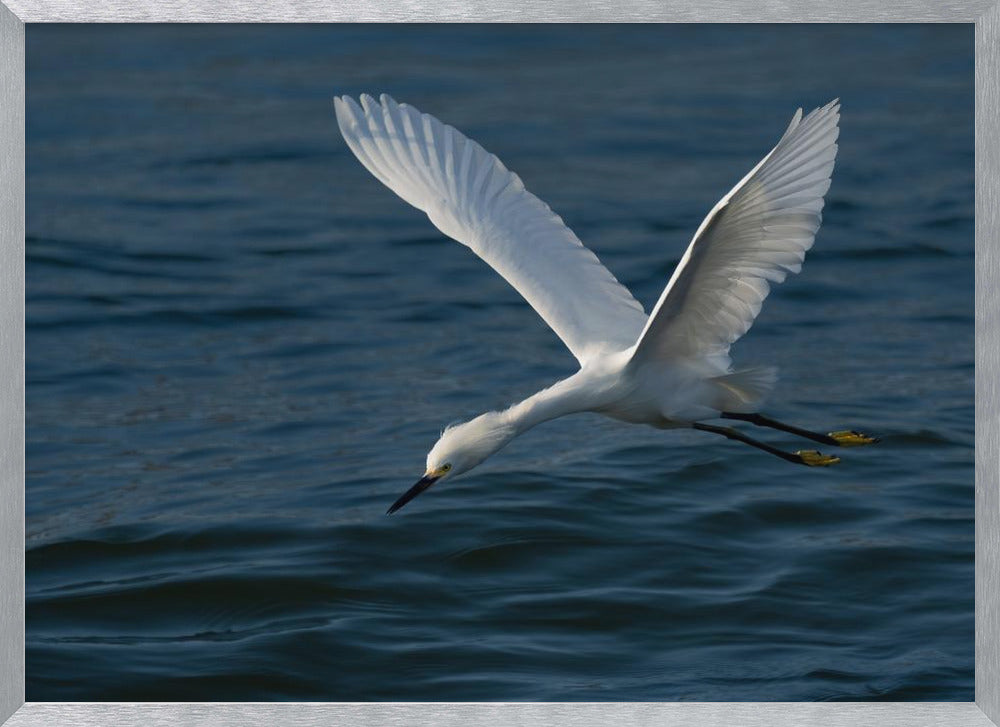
240,347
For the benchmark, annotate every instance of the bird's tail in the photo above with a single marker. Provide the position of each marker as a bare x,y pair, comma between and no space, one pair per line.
744,391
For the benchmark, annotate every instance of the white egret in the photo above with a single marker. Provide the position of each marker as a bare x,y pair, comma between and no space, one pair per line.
670,369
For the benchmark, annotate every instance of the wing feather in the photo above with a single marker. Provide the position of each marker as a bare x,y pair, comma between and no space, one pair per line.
472,197
755,236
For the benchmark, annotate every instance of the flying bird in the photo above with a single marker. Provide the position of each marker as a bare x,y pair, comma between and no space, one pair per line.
669,369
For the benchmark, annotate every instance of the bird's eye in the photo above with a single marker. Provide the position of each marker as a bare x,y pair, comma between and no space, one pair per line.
445,468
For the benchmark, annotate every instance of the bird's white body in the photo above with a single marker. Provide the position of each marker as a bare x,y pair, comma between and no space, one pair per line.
607,384
670,397
668,369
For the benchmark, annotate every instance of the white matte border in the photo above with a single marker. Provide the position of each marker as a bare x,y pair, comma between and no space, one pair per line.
986,15
509,11
11,363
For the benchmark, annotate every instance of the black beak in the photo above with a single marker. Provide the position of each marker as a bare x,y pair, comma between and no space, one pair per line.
424,483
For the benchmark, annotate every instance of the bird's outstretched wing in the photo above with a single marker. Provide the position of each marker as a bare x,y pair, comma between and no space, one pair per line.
754,236
472,197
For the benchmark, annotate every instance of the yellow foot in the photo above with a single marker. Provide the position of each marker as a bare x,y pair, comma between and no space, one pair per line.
850,438
814,459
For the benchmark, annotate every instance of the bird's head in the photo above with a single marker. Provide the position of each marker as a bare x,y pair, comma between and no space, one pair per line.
460,448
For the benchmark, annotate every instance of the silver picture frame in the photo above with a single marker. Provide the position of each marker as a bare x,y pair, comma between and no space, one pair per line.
985,14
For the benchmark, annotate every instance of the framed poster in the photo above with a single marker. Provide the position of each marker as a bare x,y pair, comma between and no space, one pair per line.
238,345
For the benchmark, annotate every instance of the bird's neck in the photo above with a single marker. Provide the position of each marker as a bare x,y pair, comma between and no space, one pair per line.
558,400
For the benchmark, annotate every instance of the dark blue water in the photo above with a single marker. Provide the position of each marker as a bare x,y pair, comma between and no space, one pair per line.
240,347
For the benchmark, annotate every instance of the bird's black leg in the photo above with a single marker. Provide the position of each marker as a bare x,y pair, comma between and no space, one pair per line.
810,458
848,438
